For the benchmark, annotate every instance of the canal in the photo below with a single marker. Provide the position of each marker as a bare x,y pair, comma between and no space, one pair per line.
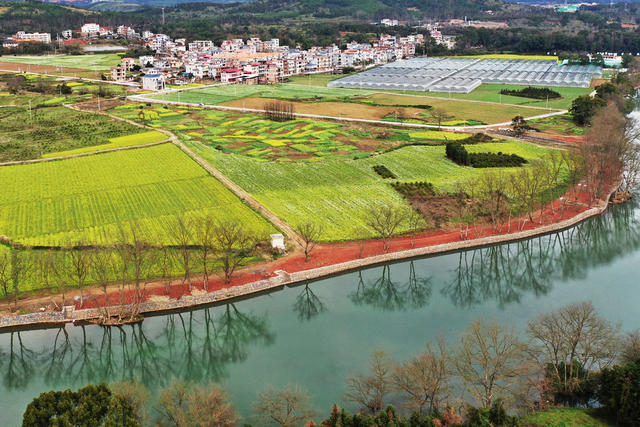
317,334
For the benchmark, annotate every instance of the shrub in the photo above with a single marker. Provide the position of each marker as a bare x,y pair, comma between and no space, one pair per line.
457,153
495,160
414,189
532,92
384,172
619,393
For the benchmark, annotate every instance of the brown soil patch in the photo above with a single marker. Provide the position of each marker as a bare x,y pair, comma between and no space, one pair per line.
45,69
105,104
334,109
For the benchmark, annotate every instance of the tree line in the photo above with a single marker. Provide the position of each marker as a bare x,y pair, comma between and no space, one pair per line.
202,245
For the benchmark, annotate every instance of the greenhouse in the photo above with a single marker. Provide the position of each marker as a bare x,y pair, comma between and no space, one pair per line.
465,74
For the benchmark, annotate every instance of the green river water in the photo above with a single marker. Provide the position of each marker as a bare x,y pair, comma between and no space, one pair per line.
316,335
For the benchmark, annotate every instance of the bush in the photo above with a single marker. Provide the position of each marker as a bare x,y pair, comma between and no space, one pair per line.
532,92
619,393
384,172
457,153
414,189
495,160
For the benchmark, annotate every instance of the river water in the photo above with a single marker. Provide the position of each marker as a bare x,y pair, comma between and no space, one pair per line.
315,335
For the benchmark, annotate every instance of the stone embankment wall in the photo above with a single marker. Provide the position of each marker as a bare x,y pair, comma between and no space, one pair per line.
283,278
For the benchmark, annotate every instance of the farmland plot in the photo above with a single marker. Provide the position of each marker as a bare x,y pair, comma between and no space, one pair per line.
87,198
337,193
30,135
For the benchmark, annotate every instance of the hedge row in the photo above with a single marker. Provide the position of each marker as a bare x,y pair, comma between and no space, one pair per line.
532,92
458,154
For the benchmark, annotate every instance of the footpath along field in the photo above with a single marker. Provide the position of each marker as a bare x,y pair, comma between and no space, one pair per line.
87,198
338,193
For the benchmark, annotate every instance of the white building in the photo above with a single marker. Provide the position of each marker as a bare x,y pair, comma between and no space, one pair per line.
153,82
91,28
35,37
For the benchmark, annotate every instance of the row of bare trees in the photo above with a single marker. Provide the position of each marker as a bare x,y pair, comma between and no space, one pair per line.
203,244
564,348
279,111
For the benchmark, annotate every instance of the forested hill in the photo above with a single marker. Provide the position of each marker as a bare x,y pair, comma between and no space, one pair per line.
46,17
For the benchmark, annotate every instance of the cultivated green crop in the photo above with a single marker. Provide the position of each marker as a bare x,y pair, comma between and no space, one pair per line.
99,61
85,199
338,193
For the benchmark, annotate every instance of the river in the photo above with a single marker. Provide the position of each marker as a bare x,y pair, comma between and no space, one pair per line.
315,335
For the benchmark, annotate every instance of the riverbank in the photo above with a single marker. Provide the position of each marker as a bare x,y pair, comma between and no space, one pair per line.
327,260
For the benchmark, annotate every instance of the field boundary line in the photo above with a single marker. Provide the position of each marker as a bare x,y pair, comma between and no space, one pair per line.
90,153
223,179
142,98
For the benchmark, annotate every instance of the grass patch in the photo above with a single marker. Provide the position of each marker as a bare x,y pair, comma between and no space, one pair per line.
99,61
435,135
567,417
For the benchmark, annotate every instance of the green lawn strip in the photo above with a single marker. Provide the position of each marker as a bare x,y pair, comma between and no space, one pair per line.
87,198
567,417
99,61
337,193
119,142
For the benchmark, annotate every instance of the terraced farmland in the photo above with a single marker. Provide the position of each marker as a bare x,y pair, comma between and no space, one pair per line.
337,193
257,137
30,135
86,198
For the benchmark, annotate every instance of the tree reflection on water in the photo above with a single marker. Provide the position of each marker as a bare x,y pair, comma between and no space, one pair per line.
200,345
195,346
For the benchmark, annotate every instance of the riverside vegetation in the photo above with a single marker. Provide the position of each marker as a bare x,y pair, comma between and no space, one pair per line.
571,357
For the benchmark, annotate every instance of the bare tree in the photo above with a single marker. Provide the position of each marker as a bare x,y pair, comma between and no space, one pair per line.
79,259
630,349
310,233
205,227
5,273
424,380
183,239
519,125
102,272
279,111
186,405
415,223
574,340
371,390
21,270
386,220
440,115
233,245
287,407
489,361
492,188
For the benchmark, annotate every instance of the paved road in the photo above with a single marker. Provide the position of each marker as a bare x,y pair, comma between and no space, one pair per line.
143,98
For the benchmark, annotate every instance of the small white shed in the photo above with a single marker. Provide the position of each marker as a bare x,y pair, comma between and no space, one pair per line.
277,242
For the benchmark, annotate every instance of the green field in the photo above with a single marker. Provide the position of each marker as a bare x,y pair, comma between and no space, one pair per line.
337,193
86,198
98,61
566,417
31,135
118,142
491,93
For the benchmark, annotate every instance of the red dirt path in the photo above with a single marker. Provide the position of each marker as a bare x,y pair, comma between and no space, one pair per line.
334,253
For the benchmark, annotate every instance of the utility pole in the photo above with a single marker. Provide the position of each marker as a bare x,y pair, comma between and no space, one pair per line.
30,116
163,16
